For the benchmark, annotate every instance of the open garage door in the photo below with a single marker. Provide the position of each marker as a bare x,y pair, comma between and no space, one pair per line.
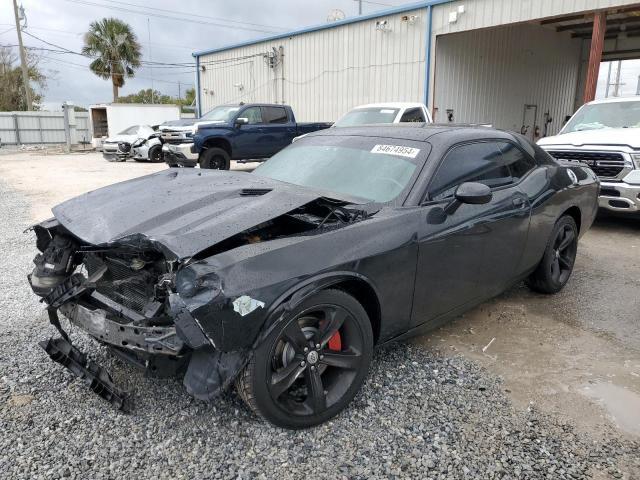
529,77
520,77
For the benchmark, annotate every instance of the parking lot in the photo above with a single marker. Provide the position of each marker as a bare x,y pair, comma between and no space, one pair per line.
524,385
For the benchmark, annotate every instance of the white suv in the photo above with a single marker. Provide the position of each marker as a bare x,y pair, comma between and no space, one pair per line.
605,135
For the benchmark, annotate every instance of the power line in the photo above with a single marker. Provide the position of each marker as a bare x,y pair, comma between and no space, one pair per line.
155,9
170,17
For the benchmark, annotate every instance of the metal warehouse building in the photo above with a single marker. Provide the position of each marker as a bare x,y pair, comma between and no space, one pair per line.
522,65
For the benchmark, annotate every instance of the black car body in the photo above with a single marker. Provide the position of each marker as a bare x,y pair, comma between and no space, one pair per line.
189,269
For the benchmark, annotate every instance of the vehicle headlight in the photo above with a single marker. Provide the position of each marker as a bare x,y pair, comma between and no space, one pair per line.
636,159
190,282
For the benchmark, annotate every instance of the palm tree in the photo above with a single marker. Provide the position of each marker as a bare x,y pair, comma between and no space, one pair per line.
116,51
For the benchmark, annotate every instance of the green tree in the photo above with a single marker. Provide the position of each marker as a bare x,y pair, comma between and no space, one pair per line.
116,51
145,96
12,96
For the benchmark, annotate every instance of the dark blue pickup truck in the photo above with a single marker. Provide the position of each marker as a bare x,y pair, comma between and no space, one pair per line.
232,132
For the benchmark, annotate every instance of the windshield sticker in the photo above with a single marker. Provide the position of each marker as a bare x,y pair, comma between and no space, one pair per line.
399,150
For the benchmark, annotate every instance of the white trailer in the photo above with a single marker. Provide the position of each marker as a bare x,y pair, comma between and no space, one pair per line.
109,119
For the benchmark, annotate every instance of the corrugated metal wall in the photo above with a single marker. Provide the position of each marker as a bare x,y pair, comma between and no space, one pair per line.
490,13
487,76
42,127
326,72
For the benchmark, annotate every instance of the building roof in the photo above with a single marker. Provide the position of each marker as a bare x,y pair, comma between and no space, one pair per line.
324,26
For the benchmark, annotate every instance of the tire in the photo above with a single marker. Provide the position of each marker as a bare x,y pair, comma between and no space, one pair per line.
155,154
296,388
215,158
556,265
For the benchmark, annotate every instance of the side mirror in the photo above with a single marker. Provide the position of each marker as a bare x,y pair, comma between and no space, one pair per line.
241,121
472,193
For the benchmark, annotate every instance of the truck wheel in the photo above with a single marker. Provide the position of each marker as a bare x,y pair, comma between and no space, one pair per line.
155,154
556,265
215,158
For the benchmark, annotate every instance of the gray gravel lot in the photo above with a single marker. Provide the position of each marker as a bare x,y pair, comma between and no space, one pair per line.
420,415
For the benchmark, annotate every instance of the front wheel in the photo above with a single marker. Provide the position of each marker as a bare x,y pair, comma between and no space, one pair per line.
215,158
555,268
312,364
155,154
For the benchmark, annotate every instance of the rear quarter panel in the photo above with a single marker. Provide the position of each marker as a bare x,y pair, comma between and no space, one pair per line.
552,191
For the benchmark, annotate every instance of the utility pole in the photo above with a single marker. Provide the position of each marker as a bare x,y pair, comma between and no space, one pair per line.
150,64
23,59
606,93
179,92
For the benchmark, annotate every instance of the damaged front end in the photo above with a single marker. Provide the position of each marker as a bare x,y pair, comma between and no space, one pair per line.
117,295
148,305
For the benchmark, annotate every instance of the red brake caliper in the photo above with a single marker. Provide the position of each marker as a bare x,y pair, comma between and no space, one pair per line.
335,342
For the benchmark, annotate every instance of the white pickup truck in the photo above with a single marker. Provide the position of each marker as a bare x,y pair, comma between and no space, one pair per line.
390,112
605,135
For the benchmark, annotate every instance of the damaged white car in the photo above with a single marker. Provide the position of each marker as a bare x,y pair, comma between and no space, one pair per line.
139,142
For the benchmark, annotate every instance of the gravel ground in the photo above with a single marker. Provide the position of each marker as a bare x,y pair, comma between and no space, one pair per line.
420,415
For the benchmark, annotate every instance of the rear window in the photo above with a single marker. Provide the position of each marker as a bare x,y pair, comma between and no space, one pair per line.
274,115
367,116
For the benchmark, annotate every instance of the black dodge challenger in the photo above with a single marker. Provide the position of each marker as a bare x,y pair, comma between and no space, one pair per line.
283,280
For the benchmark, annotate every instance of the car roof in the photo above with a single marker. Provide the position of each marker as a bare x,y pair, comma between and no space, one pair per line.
414,131
635,98
389,105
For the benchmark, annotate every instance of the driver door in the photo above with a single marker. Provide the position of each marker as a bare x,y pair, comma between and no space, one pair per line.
472,254
248,136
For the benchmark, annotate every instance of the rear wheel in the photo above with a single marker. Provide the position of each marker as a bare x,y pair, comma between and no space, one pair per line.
312,364
556,265
215,158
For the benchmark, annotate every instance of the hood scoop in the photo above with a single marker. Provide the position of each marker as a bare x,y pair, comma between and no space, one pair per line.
254,192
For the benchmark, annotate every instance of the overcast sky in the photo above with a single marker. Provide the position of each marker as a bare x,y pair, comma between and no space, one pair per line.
63,23
207,24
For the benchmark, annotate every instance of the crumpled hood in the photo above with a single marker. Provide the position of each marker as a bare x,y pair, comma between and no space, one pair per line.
183,210
121,138
607,136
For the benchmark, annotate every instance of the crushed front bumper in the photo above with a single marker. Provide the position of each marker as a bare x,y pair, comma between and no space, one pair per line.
619,197
140,339
179,154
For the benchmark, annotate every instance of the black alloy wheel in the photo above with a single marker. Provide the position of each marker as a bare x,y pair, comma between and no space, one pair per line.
155,154
311,366
556,265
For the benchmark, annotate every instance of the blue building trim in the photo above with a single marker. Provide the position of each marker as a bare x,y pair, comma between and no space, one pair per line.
427,55
198,104
382,13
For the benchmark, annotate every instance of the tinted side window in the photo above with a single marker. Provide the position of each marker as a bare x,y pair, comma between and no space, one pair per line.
475,162
253,114
274,115
413,115
518,162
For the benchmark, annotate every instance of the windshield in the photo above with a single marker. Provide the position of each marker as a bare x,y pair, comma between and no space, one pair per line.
605,115
375,169
221,114
367,116
130,131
